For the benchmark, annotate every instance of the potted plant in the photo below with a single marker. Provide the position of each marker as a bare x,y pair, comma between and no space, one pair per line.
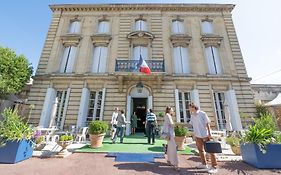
15,138
261,144
180,133
38,140
64,141
97,130
234,142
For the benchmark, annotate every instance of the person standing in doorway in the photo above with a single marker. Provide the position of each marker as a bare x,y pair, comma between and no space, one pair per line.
168,127
121,124
134,122
151,122
202,132
114,122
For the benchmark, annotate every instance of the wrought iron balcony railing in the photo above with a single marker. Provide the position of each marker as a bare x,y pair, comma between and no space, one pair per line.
132,65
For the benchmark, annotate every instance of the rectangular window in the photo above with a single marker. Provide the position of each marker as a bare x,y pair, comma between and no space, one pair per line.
68,59
207,27
140,25
177,27
184,101
74,27
140,50
220,113
103,27
181,60
99,59
213,60
95,105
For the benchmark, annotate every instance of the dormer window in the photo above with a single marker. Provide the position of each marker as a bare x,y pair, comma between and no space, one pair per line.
74,27
177,27
103,27
207,27
140,25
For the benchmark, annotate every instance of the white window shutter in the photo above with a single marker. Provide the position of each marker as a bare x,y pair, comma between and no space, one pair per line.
64,59
177,60
137,52
77,27
71,59
106,26
83,108
47,107
207,27
137,25
210,61
181,27
175,27
144,52
101,27
71,27
96,59
185,60
177,105
103,60
102,103
217,60
194,95
65,109
144,25
230,98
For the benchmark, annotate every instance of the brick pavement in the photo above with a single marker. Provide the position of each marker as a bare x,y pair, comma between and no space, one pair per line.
98,164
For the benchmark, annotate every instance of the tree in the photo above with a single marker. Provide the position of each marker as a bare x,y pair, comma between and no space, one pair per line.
15,71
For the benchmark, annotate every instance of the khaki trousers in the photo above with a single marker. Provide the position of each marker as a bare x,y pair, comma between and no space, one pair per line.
200,147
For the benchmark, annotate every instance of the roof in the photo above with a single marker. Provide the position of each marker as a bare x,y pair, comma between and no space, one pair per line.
275,102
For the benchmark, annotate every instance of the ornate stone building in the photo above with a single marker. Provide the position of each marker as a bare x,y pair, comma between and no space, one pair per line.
89,64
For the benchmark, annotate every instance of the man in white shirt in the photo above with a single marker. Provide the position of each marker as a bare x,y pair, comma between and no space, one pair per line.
201,128
114,122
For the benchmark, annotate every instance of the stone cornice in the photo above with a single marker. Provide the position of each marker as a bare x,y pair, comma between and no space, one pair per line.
71,39
180,40
101,39
145,7
211,40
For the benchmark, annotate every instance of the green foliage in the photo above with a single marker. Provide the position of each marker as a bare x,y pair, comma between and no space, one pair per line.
161,114
98,127
233,141
265,121
15,71
13,128
66,138
180,130
261,110
39,140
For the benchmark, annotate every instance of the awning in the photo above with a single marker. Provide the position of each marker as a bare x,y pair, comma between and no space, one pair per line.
275,102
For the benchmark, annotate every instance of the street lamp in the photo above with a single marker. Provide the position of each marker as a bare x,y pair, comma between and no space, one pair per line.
139,87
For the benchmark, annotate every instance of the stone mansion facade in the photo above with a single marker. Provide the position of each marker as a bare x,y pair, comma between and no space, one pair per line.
89,61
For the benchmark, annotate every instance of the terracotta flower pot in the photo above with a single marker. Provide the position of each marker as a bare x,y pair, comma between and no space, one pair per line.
236,150
180,142
96,140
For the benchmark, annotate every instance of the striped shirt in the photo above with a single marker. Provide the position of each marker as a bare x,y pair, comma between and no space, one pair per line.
150,117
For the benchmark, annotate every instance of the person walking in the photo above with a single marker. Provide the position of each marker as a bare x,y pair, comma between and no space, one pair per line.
121,124
134,122
168,127
151,122
114,122
201,128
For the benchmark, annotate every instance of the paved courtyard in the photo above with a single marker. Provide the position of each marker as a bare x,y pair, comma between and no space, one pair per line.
98,164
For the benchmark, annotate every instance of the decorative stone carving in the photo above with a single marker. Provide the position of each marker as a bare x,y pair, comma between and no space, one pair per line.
211,40
101,39
180,40
140,37
71,39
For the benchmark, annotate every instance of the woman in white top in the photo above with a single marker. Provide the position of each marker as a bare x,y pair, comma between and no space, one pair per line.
168,127
114,122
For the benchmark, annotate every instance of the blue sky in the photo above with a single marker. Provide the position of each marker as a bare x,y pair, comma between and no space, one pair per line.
24,26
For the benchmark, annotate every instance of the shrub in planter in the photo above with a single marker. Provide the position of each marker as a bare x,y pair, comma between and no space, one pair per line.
261,144
64,141
15,138
97,130
234,142
180,133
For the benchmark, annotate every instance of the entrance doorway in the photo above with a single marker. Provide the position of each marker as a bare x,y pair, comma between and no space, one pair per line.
139,106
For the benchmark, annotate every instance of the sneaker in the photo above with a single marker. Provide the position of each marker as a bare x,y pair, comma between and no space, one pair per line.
212,170
202,166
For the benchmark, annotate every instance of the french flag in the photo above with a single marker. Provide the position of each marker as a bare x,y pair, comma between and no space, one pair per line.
143,67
